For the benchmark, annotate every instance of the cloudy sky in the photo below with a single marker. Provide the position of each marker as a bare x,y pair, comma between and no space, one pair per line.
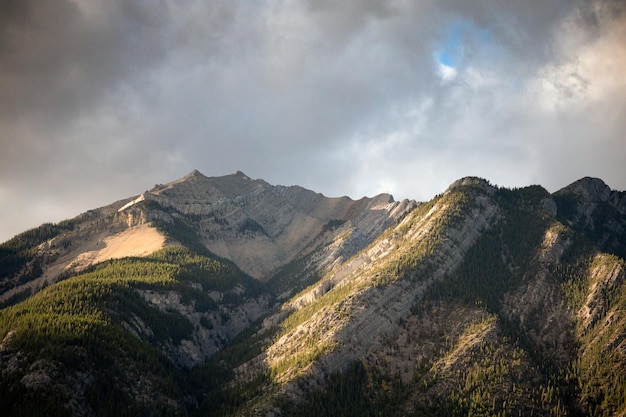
100,100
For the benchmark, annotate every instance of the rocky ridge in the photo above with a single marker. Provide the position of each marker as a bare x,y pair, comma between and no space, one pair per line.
258,226
483,301
262,227
592,208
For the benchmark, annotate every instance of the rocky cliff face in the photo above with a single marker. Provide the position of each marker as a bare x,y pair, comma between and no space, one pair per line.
481,293
258,226
92,237
245,298
262,227
592,208
377,298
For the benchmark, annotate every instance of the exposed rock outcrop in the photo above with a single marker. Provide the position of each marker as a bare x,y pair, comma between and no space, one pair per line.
262,227
592,208
484,301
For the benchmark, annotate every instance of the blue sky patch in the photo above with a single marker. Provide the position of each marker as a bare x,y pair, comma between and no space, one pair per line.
459,38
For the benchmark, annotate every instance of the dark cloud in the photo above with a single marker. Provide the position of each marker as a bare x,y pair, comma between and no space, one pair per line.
100,100
60,58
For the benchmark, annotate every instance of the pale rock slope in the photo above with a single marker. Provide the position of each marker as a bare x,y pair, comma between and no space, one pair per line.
258,226
261,227
95,236
482,301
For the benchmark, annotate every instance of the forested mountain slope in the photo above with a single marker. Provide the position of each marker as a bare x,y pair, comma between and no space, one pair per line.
268,300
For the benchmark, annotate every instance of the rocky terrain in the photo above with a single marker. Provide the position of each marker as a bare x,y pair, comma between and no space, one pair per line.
258,226
229,296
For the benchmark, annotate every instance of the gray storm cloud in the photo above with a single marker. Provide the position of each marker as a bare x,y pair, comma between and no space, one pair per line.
99,100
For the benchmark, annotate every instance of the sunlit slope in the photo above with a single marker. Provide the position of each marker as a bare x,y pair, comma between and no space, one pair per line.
479,302
482,301
260,227
40,256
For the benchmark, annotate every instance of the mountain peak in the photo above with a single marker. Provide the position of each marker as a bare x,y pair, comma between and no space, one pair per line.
389,308
194,174
241,175
471,181
592,189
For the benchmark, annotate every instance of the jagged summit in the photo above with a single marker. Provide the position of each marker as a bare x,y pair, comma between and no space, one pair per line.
259,226
241,175
195,173
483,300
471,181
592,208
589,188
196,176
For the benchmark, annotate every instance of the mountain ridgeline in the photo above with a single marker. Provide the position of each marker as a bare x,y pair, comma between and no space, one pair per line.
228,296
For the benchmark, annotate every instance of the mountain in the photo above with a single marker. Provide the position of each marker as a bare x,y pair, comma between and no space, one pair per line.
228,296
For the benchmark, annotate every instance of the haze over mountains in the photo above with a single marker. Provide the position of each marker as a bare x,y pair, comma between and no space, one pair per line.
231,296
